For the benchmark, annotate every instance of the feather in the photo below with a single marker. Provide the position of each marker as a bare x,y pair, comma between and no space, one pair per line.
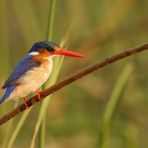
21,68
8,92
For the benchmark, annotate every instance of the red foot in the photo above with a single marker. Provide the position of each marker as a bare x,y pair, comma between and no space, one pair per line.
38,93
25,102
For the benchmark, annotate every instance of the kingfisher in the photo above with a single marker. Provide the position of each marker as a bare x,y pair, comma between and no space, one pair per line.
33,71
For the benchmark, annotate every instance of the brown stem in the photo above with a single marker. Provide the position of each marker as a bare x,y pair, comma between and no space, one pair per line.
73,78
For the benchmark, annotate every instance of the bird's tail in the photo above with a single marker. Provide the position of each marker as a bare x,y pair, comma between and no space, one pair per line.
8,91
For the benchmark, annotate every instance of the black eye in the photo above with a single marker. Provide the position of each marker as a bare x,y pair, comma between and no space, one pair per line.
50,49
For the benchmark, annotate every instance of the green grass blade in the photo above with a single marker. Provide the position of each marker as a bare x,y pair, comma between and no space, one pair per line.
57,66
57,63
51,19
18,127
37,126
113,103
42,133
50,24
44,106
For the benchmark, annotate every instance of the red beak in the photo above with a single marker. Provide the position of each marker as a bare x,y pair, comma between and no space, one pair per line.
68,53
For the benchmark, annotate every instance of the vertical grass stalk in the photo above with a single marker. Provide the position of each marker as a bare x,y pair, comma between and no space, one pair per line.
41,125
17,129
113,103
49,33
57,66
51,17
42,113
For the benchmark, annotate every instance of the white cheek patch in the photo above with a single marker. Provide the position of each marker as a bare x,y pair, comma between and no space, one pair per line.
34,53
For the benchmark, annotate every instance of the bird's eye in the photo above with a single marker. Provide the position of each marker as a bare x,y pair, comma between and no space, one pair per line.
50,49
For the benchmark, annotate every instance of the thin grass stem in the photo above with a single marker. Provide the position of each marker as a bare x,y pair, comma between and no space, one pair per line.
113,104
18,128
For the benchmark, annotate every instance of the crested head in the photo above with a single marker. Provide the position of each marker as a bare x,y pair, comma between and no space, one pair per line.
47,45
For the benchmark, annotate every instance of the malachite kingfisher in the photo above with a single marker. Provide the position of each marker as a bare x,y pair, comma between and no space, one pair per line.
33,70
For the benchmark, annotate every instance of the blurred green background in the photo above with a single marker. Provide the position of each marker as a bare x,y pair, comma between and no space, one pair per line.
76,114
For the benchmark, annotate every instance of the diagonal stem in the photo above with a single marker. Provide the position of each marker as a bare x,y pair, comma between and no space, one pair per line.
73,78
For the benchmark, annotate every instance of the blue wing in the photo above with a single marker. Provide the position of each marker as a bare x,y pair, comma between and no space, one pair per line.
21,68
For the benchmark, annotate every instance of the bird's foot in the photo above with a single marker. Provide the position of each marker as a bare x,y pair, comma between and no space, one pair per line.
38,93
25,102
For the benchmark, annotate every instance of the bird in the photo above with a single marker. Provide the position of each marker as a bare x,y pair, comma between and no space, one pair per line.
33,71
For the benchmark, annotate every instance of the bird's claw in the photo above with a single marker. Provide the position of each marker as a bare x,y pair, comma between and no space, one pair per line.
25,102
38,93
